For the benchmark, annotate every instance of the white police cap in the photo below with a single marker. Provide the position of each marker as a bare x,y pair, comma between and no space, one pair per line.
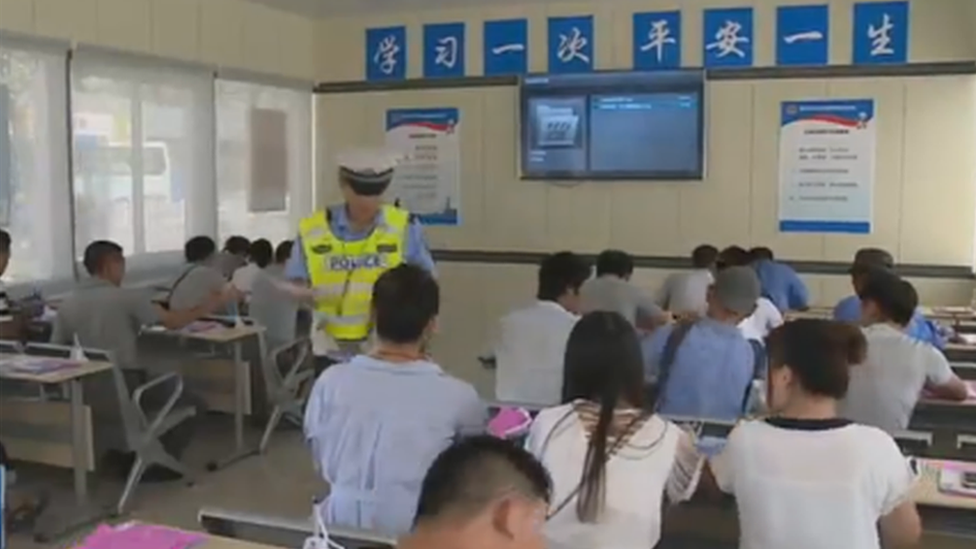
366,166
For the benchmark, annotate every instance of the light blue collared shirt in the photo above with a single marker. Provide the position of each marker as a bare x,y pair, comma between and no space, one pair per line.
415,249
920,328
712,369
781,285
374,428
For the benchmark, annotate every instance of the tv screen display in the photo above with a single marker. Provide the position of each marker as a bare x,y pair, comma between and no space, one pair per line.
613,125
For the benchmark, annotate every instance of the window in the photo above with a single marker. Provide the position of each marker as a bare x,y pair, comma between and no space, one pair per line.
143,149
34,196
264,159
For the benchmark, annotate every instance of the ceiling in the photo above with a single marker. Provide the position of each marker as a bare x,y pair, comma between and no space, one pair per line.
327,8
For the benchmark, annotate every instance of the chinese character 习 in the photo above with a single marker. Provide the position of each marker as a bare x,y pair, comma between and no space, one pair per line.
571,47
880,37
657,38
446,51
387,53
727,40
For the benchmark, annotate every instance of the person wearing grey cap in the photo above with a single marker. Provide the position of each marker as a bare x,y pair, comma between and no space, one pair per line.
704,367
868,261
341,252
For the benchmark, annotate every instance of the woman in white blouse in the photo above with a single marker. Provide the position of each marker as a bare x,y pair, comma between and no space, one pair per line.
804,478
610,462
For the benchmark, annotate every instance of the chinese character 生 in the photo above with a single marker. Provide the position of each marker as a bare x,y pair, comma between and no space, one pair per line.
880,37
727,40
658,38
387,53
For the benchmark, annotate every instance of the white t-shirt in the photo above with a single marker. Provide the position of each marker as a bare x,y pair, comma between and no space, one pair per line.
686,292
763,320
812,485
529,351
637,477
244,277
884,390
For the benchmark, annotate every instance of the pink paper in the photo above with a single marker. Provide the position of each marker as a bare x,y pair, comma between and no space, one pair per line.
143,536
509,422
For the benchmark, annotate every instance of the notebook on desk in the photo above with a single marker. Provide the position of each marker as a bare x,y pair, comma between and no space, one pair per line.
36,365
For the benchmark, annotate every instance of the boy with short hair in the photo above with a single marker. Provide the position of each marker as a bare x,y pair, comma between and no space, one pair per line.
884,390
612,291
780,283
685,293
200,279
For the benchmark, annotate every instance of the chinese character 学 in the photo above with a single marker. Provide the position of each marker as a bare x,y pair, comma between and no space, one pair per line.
657,38
571,46
727,40
446,51
880,37
387,53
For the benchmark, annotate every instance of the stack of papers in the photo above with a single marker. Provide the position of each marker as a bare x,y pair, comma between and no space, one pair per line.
36,365
143,536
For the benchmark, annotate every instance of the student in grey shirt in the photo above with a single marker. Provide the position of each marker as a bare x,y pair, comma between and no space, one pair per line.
884,390
200,279
685,292
233,256
101,314
612,291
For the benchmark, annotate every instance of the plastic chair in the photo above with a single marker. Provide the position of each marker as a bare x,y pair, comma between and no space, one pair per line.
284,389
143,428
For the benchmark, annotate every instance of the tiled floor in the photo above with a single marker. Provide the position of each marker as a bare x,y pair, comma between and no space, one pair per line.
281,483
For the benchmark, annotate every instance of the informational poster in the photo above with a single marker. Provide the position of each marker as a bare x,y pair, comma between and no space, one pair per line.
427,182
826,166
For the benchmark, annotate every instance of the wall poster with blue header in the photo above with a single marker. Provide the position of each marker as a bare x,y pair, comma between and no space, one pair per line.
826,166
427,181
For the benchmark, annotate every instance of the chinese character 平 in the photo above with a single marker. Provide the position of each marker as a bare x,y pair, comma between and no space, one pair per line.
658,37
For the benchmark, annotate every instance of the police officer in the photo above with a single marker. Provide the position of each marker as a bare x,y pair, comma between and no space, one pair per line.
342,251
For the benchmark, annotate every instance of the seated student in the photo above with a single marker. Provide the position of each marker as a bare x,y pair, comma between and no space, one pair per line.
199,279
101,314
849,308
804,478
780,283
611,463
481,493
233,256
885,389
757,326
684,293
259,257
281,254
375,423
611,290
531,342
12,326
704,368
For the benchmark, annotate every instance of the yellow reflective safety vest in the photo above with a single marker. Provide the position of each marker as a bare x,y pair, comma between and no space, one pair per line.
344,272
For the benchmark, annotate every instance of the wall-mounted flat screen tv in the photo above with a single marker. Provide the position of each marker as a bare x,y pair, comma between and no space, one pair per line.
613,125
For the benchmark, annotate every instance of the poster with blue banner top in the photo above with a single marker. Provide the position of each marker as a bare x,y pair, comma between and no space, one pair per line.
826,166
427,181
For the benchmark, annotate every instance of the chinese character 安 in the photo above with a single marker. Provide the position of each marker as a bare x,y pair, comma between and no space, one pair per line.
727,40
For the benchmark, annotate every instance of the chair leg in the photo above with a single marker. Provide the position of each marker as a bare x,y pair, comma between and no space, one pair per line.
174,464
135,475
271,426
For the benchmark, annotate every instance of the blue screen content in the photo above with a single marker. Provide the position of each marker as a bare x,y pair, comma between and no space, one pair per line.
613,126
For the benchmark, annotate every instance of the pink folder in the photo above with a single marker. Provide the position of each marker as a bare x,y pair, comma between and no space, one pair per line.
510,423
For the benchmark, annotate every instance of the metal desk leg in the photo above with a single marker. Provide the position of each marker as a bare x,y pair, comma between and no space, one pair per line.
56,524
240,451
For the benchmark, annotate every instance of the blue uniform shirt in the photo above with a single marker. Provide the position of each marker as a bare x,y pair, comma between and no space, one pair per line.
920,328
374,428
415,249
713,367
781,285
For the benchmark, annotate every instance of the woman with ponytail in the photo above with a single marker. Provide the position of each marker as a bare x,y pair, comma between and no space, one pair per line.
611,462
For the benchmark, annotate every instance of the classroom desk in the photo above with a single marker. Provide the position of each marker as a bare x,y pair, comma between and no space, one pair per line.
81,448
215,542
233,337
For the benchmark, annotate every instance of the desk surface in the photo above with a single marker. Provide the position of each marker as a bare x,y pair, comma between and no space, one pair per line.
60,376
214,542
927,490
217,334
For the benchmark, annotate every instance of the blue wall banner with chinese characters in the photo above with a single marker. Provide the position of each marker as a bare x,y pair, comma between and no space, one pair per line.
826,166
443,50
571,44
802,35
727,37
506,47
386,53
657,40
428,182
880,33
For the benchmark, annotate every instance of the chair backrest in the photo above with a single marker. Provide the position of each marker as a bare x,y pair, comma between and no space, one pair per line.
282,359
8,346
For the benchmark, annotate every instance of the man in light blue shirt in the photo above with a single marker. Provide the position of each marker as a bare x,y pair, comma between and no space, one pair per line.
705,368
780,283
866,261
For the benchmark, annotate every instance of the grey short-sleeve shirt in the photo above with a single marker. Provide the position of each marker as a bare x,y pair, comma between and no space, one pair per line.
195,287
610,293
104,316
